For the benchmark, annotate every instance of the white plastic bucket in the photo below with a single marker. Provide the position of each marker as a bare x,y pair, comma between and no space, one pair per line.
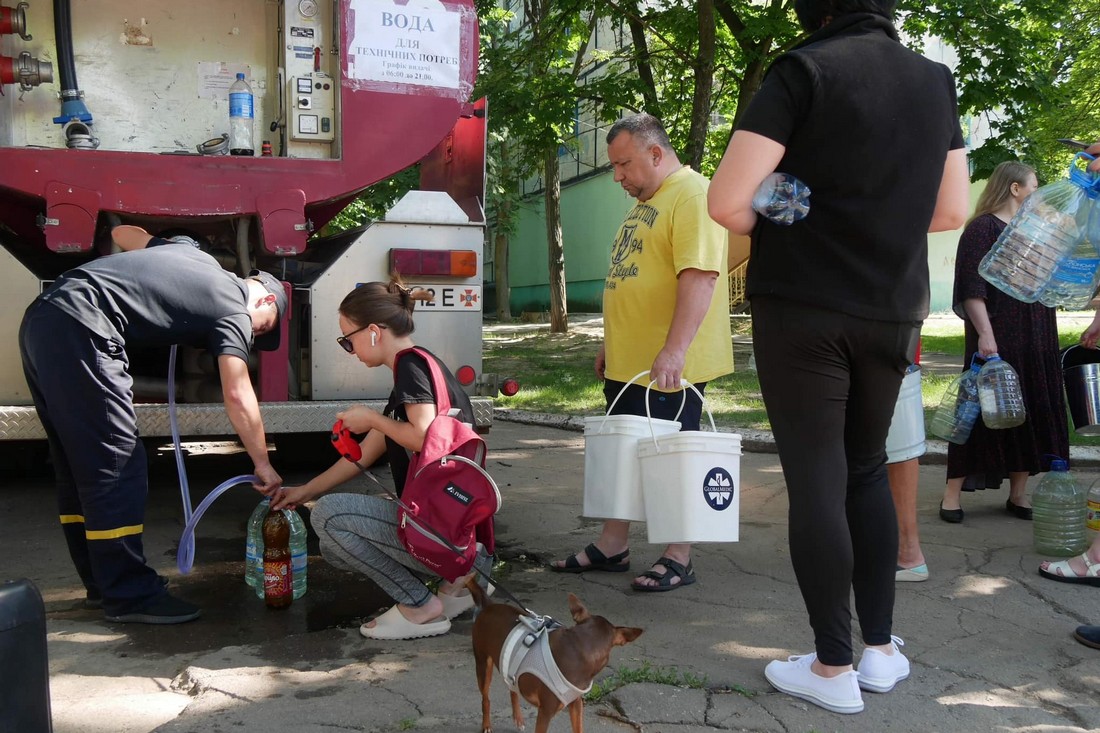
612,482
691,484
906,437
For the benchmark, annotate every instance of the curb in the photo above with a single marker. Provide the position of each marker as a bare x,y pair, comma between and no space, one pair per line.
762,441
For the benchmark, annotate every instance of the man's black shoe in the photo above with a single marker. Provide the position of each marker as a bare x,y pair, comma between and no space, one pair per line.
164,609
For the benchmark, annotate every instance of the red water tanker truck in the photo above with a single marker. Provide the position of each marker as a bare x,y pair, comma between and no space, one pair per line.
116,112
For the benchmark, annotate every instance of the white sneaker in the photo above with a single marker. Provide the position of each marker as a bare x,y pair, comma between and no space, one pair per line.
879,672
839,694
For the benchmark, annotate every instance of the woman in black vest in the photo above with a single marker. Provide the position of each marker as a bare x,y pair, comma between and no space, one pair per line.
837,301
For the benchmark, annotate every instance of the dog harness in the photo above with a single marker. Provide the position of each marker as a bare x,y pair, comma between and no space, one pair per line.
526,650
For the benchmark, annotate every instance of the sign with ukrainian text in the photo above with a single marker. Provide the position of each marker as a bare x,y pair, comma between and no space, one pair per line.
394,46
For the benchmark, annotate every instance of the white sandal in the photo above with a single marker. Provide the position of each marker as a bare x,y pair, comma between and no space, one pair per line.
1061,571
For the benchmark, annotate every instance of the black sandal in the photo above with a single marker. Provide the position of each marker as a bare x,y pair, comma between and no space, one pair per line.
597,561
664,582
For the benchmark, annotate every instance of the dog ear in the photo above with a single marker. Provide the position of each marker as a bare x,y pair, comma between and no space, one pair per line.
625,635
580,613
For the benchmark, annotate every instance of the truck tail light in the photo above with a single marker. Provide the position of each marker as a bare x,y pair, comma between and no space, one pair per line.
440,262
466,375
509,387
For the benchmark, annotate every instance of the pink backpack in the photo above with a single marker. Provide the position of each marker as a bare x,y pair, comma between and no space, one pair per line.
448,502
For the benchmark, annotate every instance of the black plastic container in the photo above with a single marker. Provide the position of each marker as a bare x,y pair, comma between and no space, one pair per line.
25,672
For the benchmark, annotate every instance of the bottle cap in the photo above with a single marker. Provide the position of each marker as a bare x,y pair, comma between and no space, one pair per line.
1059,465
240,74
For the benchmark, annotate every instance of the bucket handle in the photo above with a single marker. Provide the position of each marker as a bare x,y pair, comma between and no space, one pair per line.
632,380
1066,351
685,385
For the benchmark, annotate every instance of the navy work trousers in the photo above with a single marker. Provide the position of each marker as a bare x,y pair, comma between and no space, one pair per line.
83,394
829,382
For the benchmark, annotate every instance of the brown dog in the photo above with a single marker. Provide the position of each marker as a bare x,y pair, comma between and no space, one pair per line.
580,653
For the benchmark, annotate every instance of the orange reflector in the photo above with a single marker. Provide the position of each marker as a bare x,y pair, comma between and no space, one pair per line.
466,375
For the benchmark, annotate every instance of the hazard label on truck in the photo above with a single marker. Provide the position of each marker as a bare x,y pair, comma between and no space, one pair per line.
451,297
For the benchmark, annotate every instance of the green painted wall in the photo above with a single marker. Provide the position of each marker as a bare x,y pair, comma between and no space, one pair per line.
591,211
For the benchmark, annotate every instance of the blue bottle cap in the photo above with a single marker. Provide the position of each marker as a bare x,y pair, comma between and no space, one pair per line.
1059,465
240,74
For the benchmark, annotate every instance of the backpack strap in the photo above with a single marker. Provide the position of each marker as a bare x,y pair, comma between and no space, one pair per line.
439,383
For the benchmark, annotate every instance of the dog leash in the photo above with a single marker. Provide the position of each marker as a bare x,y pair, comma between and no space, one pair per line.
338,433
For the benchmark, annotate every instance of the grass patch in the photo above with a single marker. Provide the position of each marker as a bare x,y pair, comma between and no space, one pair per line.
645,673
557,376
556,372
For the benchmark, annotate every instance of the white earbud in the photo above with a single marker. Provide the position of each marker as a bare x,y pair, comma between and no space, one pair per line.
373,338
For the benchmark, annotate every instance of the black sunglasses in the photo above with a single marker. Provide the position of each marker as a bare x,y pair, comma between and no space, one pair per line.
345,340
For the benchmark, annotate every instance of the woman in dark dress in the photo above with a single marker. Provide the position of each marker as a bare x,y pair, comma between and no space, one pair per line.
1026,336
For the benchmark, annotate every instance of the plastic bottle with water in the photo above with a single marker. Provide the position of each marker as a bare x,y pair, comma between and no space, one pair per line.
254,550
782,198
1058,513
959,408
1000,395
1046,229
241,117
1076,279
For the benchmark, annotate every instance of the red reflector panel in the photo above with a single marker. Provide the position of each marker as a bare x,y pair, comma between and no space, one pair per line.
465,375
446,262
509,388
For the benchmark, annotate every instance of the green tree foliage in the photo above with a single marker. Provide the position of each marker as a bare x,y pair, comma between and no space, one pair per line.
373,203
1030,68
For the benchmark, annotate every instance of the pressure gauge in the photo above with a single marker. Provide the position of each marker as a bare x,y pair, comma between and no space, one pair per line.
307,8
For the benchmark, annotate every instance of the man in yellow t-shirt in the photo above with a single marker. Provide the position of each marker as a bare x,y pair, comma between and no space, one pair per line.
666,312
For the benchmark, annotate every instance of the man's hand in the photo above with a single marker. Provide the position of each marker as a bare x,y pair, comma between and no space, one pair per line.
668,369
358,419
601,363
272,481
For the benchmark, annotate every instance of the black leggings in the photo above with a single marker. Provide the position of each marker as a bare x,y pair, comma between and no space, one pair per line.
829,382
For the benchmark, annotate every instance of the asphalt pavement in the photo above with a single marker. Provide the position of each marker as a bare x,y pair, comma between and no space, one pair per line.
989,639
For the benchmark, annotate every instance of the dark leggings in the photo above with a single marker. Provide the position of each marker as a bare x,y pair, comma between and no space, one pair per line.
829,382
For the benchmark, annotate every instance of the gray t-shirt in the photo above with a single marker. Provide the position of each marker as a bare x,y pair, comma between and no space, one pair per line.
168,293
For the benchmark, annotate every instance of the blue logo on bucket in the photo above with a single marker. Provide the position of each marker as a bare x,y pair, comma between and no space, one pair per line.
718,488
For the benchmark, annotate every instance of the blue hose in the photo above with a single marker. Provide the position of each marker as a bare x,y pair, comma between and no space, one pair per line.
185,555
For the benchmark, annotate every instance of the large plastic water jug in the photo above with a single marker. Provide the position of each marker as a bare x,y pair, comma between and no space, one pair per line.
959,408
1046,229
254,550
1058,513
1000,395
1077,277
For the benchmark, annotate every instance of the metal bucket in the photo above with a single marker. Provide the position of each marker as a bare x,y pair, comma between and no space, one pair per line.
1081,374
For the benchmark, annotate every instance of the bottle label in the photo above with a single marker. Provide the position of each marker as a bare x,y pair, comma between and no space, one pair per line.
240,105
277,578
1077,271
1093,517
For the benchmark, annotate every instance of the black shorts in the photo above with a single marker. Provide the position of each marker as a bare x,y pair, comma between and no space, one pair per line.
662,405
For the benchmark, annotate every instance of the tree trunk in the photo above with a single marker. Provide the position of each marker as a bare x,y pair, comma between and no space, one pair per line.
703,68
645,70
500,275
504,225
559,315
